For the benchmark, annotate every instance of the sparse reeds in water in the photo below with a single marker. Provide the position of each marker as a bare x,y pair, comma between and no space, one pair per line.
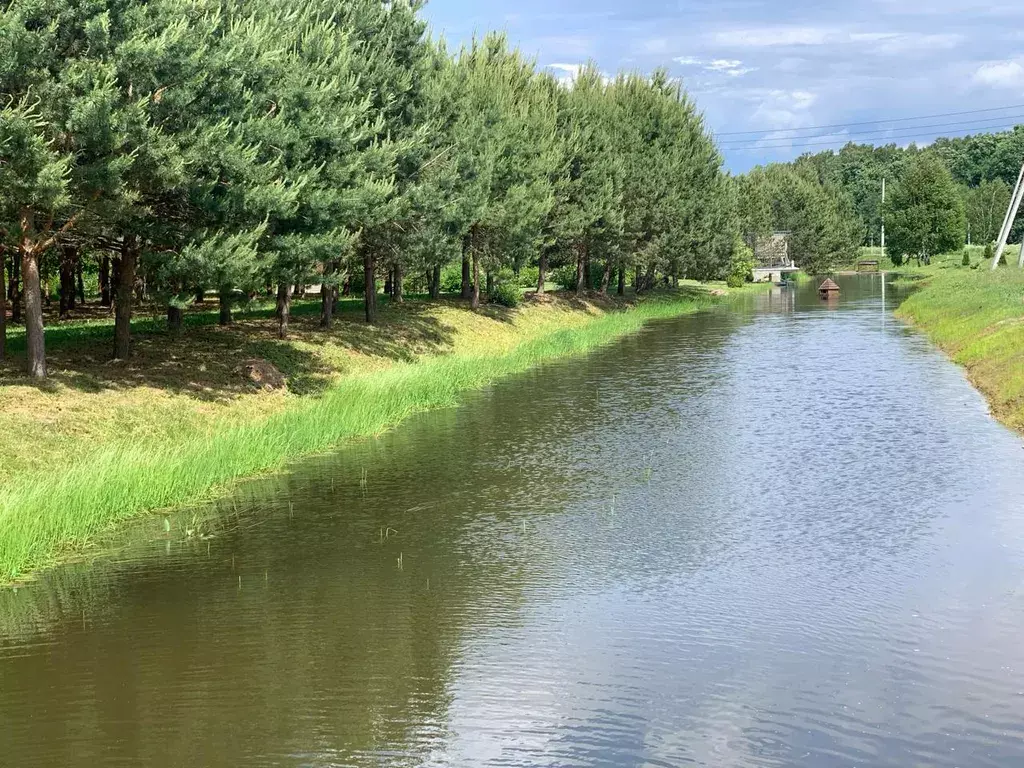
46,515
648,468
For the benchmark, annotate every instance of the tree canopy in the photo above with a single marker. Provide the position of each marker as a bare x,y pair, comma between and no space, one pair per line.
924,212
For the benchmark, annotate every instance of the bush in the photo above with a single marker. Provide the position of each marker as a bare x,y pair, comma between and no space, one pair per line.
565,276
742,269
451,278
528,277
989,252
966,261
506,294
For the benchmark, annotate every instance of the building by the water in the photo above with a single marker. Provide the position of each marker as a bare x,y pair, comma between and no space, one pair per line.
772,262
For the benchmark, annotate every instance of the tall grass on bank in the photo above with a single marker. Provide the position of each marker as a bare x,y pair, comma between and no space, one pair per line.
45,516
976,316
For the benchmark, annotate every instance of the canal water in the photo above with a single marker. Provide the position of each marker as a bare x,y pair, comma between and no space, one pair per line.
782,534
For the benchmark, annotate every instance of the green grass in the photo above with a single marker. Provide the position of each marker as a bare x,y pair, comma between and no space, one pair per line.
47,515
977,317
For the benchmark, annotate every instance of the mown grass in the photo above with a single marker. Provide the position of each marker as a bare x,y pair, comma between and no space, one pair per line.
49,511
977,317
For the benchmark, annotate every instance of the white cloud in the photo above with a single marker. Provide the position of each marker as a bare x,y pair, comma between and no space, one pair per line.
730,67
723,65
779,109
1000,74
567,73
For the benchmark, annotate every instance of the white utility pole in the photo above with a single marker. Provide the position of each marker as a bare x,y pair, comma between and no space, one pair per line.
1011,215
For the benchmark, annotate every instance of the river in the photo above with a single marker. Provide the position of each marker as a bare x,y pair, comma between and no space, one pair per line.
785,533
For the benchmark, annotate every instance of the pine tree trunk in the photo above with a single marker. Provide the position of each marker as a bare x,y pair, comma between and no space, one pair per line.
588,281
174,315
71,256
389,285
34,334
326,297
370,291
490,283
3,302
105,281
434,279
124,296
475,299
284,308
326,306
200,296
646,281
622,280
580,275
399,284
79,278
225,295
542,270
606,277
467,287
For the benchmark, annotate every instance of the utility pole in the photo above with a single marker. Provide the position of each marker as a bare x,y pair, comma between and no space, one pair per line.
1011,215
968,234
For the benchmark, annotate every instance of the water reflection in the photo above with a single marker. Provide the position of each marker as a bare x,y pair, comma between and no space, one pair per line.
785,534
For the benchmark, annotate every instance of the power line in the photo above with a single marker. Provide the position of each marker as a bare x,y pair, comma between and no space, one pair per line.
845,140
976,123
875,122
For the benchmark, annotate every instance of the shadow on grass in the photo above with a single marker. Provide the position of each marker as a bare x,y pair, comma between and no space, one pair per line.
205,360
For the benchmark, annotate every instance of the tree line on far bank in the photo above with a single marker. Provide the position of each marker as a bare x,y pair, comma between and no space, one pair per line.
179,147
938,197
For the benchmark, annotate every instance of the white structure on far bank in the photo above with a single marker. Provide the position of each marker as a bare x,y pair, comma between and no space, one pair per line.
771,258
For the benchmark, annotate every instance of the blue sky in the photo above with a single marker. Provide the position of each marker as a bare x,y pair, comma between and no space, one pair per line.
772,67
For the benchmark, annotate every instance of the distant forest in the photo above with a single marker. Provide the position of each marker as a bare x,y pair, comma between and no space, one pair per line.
841,191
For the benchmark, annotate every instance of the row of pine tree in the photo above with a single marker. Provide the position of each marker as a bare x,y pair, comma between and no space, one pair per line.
234,146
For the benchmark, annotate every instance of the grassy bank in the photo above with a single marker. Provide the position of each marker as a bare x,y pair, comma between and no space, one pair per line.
977,317
106,442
